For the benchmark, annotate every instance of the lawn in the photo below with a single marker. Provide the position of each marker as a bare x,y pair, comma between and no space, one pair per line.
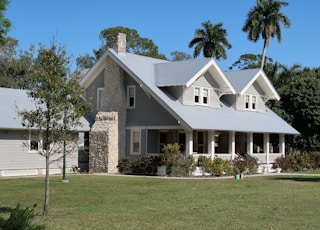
113,202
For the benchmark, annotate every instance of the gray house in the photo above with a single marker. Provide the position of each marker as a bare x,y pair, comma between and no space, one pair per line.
142,103
19,146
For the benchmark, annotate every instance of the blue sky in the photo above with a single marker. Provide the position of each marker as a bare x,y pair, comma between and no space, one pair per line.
76,24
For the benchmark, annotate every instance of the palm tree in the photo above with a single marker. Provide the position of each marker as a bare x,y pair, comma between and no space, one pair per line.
211,40
264,20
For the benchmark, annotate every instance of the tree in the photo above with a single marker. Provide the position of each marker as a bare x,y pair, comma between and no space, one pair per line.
264,20
58,106
85,61
135,43
180,56
5,24
211,40
15,65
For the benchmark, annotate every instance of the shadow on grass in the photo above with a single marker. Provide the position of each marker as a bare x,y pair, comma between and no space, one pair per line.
298,178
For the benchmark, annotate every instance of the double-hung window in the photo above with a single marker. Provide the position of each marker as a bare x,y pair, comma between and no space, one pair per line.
99,98
135,142
131,97
251,102
201,95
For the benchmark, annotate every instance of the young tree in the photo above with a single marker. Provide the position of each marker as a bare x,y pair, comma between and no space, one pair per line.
211,40
180,56
264,20
58,106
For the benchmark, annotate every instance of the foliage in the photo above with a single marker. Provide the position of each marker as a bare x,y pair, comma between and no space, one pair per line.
58,105
205,163
298,162
263,20
135,43
5,24
172,156
211,40
15,67
180,56
217,167
85,61
189,165
20,219
248,163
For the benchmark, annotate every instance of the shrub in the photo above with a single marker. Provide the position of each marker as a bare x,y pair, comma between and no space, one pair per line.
125,166
20,219
172,156
217,167
189,165
248,163
205,163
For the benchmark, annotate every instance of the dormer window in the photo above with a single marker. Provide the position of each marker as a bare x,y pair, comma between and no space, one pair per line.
131,96
201,95
251,102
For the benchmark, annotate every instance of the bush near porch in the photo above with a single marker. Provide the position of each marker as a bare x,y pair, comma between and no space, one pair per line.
298,162
179,165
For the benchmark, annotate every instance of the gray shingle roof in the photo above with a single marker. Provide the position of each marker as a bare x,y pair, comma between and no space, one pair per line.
144,70
14,100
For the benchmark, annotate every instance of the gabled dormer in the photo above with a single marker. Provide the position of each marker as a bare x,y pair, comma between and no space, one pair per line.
194,82
253,90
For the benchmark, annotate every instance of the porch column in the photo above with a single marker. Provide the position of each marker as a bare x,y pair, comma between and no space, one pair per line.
250,143
232,146
266,146
282,144
189,144
212,144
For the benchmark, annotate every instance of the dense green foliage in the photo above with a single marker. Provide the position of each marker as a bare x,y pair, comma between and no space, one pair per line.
20,219
264,20
298,162
5,24
211,40
58,106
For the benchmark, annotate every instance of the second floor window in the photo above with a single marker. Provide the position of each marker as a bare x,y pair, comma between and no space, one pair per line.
201,95
250,102
131,96
99,98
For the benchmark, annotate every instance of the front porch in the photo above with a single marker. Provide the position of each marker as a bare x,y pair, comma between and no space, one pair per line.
227,145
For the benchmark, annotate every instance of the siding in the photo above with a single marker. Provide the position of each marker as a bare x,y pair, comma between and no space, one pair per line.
91,93
206,81
15,155
147,111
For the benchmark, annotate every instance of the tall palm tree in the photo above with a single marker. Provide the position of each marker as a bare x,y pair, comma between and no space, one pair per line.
264,20
211,40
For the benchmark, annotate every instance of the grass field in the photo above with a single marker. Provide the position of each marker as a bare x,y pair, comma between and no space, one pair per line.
106,202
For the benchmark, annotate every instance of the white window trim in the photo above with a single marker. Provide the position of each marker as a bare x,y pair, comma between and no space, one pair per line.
201,96
99,96
251,102
128,96
132,143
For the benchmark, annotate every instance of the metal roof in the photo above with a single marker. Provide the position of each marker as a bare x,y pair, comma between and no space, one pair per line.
144,70
14,100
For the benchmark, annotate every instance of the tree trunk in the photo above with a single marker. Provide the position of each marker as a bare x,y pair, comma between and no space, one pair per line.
265,46
46,191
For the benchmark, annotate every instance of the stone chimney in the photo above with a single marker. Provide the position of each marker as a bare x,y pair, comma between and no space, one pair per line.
117,42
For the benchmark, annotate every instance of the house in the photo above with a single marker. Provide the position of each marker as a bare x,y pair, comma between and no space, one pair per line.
19,145
142,103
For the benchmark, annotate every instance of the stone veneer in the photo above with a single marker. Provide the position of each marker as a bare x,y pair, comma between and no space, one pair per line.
108,134
103,154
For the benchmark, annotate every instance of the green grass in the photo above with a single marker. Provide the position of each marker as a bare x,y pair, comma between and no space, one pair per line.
102,202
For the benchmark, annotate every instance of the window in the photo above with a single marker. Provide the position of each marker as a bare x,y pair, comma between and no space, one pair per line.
251,102
131,95
201,95
135,142
99,98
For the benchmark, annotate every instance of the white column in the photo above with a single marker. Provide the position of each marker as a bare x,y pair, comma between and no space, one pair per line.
189,144
266,146
211,143
232,146
250,143
282,144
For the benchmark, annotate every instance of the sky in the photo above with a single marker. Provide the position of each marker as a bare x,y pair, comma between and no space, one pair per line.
76,25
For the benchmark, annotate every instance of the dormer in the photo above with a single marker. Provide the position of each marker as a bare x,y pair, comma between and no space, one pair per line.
253,90
194,82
